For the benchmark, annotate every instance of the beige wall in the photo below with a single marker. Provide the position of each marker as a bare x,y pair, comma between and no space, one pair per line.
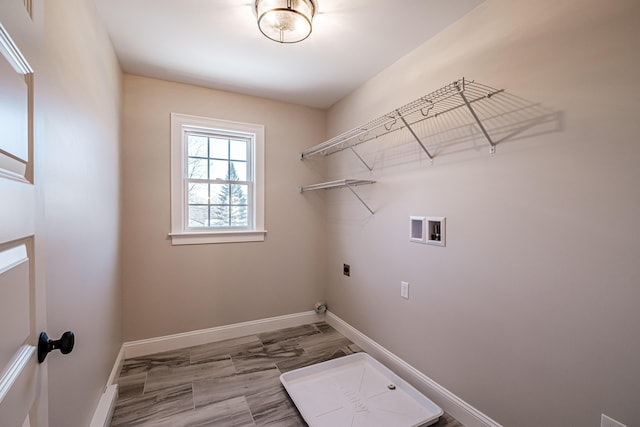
81,98
531,311
171,289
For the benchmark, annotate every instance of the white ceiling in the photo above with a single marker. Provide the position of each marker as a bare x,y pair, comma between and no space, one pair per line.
217,44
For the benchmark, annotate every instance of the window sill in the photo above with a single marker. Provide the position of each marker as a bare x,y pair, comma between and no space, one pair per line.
204,238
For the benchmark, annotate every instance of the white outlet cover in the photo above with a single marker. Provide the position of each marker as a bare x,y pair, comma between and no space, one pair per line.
606,421
404,290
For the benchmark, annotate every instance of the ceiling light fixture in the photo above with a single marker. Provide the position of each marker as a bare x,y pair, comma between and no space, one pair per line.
285,21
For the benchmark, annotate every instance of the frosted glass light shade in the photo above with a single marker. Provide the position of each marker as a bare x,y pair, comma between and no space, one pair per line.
285,21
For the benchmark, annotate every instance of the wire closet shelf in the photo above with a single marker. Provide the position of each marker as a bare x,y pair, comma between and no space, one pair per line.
342,183
458,94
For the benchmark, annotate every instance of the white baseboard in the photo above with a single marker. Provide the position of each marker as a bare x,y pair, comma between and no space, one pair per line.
205,336
104,410
452,404
115,372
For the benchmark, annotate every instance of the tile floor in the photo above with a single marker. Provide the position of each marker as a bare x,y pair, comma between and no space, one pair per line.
228,383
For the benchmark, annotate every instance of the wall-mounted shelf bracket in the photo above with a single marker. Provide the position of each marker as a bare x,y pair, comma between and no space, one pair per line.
343,183
414,135
361,159
460,87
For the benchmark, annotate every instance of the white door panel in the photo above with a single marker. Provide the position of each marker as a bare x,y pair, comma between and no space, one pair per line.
18,387
15,317
15,97
21,295
17,210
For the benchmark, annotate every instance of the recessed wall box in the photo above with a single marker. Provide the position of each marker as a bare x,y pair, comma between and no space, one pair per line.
346,270
418,229
436,231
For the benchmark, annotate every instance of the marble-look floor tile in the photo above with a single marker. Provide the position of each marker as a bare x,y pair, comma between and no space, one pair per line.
224,388
222,349
272,405
153,406
138,365
131,385
327,342
160,377
266,359
287,345
283,349
228,413
323,327
287,334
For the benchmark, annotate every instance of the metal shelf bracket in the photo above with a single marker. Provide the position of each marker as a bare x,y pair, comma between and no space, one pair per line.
361,159
414,135
492,148
359,198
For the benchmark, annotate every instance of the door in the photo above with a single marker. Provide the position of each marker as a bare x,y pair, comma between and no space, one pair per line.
22,379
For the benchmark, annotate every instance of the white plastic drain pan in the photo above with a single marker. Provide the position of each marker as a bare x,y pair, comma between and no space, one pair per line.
357,391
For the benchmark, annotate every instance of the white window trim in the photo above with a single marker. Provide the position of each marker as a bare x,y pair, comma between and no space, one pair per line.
180,236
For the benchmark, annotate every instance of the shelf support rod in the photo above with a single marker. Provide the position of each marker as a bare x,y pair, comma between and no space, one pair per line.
414,135
359,198
492,148
360,158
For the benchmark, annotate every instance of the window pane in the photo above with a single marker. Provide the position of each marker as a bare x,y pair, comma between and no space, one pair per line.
240,169
238,150
219,169
219,148
220,216
239,194
219,194
197,146
197,168
198,194
198,216
239,217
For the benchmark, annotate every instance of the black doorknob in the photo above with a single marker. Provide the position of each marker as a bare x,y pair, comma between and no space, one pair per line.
46,345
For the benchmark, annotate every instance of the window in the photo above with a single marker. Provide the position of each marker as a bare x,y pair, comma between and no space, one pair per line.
217,181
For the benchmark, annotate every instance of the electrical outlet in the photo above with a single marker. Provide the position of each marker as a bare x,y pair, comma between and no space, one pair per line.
610,422
404,290
346,270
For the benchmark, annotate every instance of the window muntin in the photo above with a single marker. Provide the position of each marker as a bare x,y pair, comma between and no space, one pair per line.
219,180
